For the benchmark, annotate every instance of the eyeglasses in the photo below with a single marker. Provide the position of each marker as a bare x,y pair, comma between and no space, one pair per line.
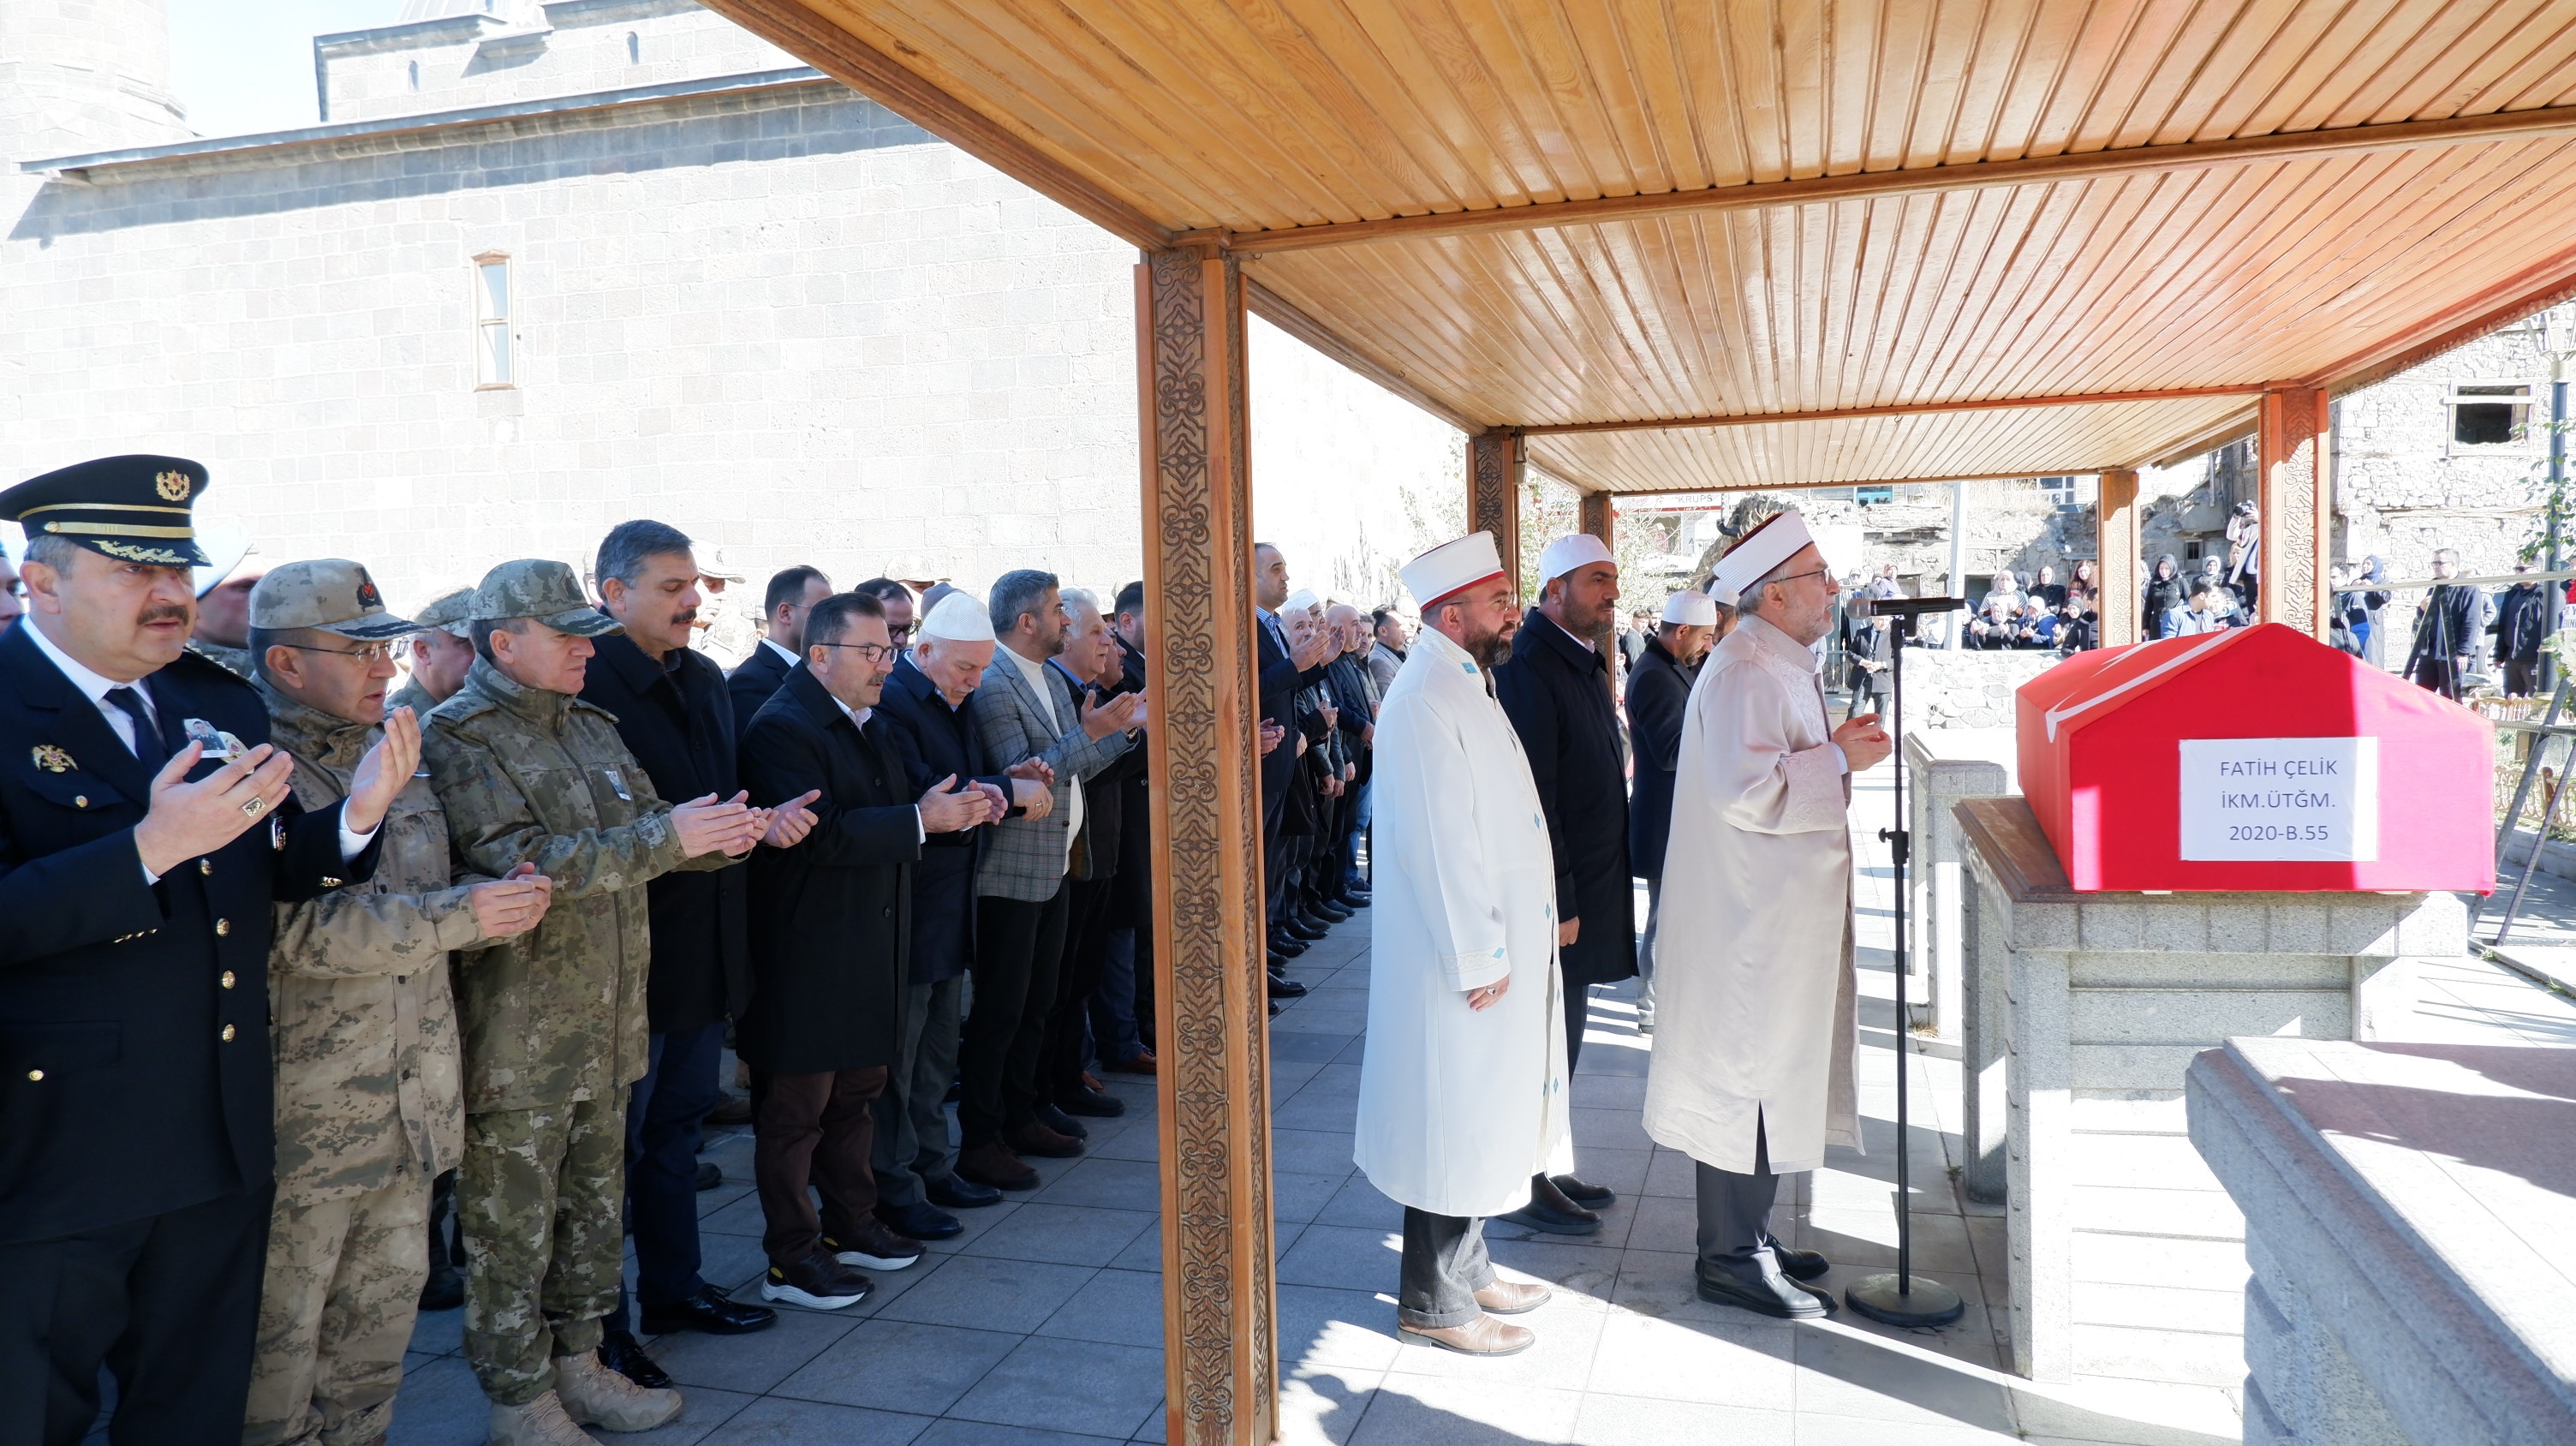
872,652
1793,577
899,634
371,654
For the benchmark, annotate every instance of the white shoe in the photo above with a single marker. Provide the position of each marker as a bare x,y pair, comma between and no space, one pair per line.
594,1395
540,1422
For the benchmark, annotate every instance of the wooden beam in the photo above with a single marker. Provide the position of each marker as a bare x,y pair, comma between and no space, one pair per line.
1884,409
2295,499
795,28
2537,287
1494,472
2116,547
1271,307
2086,470
1601,519
1220,1337
1807,190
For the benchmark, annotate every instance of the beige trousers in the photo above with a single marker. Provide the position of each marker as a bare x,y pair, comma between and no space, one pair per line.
335,1315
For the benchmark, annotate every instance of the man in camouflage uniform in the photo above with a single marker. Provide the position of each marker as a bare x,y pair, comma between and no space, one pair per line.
442,652
364,1031
554,1020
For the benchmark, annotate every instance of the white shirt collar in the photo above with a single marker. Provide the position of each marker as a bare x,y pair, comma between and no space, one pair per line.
772,645
93,685
858,716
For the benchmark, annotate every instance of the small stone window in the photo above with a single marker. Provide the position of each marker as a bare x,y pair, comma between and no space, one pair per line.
2489,416
493,362
415,75
634,48
2058,490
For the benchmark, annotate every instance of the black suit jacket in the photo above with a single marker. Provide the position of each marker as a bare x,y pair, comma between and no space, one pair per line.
752,681
831,917
1133,899
121,1095
1554,688
679,725
1658,695
1279,681
934,741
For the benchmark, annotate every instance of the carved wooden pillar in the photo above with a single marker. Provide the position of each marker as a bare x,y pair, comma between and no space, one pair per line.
1494,493
2296,495
2115,552
1211,1009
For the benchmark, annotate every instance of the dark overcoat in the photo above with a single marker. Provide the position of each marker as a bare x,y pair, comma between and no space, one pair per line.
678,723
1277,681
934,741
832,916
752,681
1658,696
1557,692
134,1058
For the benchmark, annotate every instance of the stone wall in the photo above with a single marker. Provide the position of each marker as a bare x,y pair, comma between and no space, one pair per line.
1963,689
522,50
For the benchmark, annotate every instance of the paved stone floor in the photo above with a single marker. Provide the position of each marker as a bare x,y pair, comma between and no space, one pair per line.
1043,1323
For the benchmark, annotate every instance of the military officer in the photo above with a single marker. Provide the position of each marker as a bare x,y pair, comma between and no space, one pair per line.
554,1019
442,652
364,1032
145,828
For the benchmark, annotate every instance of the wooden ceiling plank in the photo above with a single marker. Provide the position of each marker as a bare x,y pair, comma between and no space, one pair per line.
1443,49
2050,51
1554,95
1704,59
2154,114
1651,33
1400,82
1754,63
2484,51
2126,90
1608,83
2321,89
2256,84
1978,348
2406,74
2546,74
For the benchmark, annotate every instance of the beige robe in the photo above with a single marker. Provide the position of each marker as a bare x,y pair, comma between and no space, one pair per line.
1754,992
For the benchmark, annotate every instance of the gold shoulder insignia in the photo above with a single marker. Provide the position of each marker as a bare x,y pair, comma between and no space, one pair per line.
53,759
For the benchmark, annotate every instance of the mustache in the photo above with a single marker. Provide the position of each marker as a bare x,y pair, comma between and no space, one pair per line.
166,613
685,615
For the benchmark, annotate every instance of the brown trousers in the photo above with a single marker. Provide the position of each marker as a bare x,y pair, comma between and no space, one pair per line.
813,1130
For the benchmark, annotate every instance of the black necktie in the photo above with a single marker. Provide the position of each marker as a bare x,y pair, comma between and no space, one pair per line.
147,733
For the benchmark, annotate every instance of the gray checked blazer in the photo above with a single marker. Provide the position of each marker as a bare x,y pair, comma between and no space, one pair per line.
1025,859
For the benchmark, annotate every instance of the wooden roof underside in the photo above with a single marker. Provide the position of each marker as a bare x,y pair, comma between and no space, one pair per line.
1835,242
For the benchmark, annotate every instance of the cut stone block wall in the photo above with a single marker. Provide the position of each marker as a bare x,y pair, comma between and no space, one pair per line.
1959,688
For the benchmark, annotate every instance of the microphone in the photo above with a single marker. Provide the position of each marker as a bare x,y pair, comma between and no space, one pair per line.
1902,607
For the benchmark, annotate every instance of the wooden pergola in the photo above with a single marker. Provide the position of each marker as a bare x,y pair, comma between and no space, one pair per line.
1704,245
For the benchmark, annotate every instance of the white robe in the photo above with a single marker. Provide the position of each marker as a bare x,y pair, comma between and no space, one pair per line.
1754,993
1459,1107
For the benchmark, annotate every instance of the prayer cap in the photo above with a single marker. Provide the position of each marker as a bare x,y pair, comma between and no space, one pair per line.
1302,600
1759,552
958,617
1452,568
332,594
227,546
132,508
1690,610
1573,550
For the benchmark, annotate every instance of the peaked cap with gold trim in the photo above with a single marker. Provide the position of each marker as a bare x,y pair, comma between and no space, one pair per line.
135,508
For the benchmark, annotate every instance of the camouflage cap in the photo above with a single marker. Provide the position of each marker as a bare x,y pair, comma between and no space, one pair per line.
536,587
447,612
332,594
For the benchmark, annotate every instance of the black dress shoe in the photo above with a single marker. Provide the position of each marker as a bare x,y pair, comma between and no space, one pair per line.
1353,902
1090,1104
623,1354
709,1176
444,1289
1275,1007
1801,1264
1773,1295
1283,987
708,1311
1063,1124
733,1109
1550,1211
1587,1195
950,1192
1329,912
922,1220
1300,929
1285,945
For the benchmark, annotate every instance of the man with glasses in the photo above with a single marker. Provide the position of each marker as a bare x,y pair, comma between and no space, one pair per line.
791,592
896,599
364,1026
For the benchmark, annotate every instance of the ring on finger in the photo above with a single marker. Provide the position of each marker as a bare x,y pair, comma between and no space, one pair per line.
253,804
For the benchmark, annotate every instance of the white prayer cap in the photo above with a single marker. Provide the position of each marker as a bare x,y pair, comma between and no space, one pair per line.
225,543
1759,552
1452,568
1575,549
1302,600
960,618
1690,610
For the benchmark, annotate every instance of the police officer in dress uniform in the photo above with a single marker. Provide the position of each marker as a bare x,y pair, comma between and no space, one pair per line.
137,869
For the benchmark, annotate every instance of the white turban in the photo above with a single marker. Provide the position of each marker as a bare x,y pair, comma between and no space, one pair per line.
1690,610
1574,550
1758,553
959,617
1452,568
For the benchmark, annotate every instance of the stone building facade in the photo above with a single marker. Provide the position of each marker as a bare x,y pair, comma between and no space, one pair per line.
547,266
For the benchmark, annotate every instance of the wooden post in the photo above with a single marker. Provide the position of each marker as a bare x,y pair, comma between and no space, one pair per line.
1221,1356
2115,554
1602,521
1494,493
2296,495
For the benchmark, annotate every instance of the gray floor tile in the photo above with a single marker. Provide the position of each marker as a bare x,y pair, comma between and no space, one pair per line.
1312,1152
777,1422
988,1433
1299,1044
727,1261
896,1365
1049,1381
1330,1112
1343,1258
1716,1363
1299,1198
1323,1404
1141,1140
1062,1234
738,1215
1664,1222
977,1293
1608,1129
440,1405
1846,1373
1108,1184
1562,1359
1358,1203
1432,1411
1323,1326
1672,1173
1620,1170
1122,1307
1144,1253
1608,1420
753,1362
1581,1271
439,1333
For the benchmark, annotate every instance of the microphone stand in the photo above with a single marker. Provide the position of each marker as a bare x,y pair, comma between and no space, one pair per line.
1902,1298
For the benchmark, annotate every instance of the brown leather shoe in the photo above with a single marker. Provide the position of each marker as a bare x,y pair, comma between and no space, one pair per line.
1484,1336
1036,1139
993,1164
1512,1297
1143,1063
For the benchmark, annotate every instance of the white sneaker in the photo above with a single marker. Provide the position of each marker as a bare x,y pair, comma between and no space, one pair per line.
594,1395
540,1422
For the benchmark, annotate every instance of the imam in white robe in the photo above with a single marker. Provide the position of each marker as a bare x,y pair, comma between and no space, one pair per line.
1459,1107
1754,993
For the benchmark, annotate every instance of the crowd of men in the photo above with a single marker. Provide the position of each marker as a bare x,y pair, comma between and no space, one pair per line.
332,957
